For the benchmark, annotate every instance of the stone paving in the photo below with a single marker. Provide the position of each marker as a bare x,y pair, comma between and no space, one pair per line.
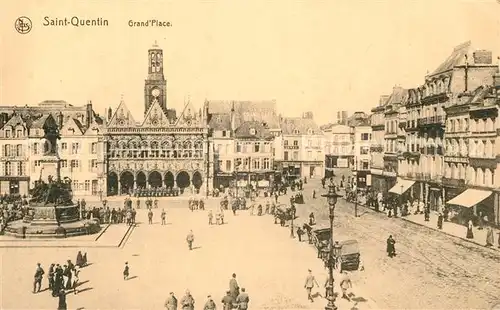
268,263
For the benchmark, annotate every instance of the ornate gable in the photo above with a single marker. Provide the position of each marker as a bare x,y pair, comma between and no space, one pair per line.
70,128
189,117
155,117
122,117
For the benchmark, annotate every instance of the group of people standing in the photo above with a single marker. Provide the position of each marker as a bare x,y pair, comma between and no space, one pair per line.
234,299
62,279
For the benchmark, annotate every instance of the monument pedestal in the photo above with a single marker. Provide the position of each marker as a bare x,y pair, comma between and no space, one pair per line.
50,166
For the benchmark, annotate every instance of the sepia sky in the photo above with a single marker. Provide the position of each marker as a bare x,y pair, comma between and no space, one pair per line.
321,56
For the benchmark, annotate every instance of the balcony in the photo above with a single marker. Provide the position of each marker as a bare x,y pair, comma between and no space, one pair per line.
453,182
431,121
483,133
411,155
460,159
291,147
481,162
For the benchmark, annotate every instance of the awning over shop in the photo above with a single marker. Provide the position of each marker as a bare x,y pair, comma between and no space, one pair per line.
470,197
401,186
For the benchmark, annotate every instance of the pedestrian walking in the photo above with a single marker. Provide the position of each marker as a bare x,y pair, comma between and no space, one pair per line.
470,233
234,289
79,259
37,283
391,246
171,302
210,304
300,232
314,194
150,216
440,221
242,300
126,271
76,279
187,302
490,239
309,285
51,276
163,217
345,285
210,217
190,239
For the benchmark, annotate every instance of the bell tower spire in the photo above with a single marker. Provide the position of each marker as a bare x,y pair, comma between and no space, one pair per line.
155,86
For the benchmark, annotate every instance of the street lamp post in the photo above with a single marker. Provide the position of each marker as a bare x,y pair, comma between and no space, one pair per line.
291,224
331,198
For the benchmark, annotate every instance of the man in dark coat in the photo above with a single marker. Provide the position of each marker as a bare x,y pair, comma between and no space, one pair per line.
51,276
391,248
171,303
37,283
62,301
227,301
234,289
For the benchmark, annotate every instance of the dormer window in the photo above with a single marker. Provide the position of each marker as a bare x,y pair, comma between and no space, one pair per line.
295,131
310,131
252,131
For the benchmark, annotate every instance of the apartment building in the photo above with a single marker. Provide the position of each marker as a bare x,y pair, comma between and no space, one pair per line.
362,141
303,152
14,178
377,120
338,146
422,164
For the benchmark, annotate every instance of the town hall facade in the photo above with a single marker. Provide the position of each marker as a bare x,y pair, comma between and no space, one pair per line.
165,151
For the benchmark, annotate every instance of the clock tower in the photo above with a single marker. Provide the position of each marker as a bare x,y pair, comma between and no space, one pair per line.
155,86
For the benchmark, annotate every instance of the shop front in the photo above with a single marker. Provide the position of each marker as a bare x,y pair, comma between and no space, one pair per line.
472,204
14,185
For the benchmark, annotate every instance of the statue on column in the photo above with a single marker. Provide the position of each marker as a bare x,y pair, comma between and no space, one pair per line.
50,140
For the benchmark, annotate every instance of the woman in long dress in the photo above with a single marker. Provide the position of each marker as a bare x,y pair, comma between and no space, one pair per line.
490,239
470,234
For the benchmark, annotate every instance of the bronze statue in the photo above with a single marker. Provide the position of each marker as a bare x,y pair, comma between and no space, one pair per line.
56,192
51,136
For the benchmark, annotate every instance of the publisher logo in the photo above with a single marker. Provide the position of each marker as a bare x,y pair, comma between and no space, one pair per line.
23,25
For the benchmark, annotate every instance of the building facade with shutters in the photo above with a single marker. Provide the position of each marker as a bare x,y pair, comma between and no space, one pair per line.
377,121
22,130
338,146
423,166
246,138
303,147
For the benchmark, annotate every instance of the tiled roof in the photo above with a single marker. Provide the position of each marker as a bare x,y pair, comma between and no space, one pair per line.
398,96
245,130
299,126
220,122
15,120
358,119
245,111
456,58
39,123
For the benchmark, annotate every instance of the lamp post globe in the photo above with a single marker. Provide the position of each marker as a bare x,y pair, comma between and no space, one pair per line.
331,198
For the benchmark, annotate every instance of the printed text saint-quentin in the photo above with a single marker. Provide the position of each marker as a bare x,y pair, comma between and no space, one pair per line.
75,21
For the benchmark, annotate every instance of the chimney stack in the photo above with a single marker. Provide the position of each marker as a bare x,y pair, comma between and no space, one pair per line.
90,114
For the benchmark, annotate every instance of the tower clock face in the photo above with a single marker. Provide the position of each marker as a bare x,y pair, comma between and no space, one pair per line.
155,92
